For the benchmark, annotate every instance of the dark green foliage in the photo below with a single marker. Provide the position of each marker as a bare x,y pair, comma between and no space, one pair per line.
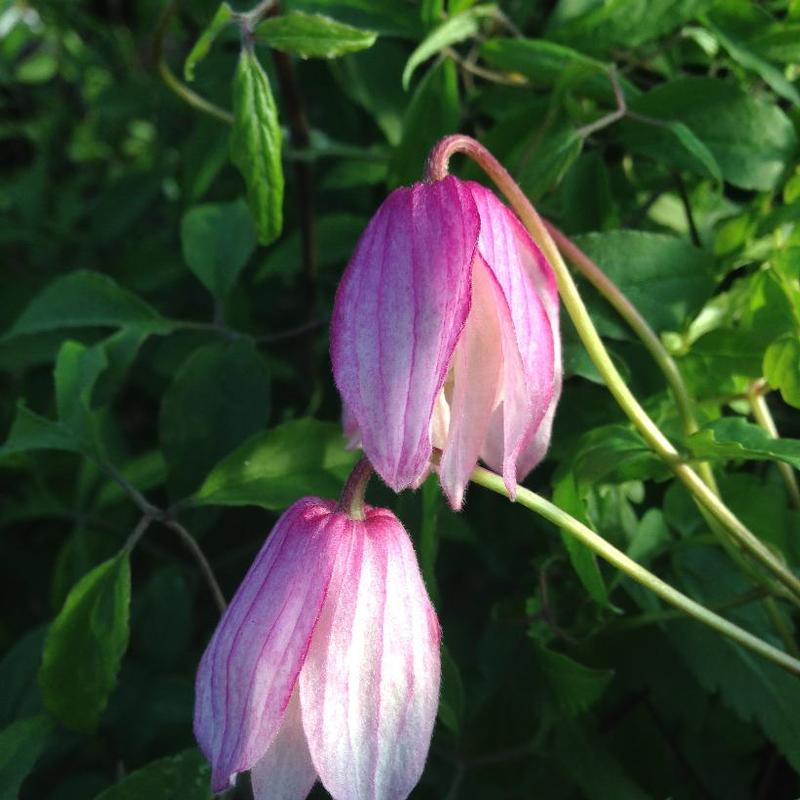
169,271
85,645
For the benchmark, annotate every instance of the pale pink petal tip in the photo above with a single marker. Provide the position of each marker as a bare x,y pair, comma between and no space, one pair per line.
369,690
285,771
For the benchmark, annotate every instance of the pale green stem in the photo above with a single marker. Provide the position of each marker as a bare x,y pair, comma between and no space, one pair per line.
763,417
670,614
611,292
635,320
171,80
636,572
437,169
351,501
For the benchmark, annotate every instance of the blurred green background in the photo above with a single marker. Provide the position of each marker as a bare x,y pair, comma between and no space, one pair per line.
164,355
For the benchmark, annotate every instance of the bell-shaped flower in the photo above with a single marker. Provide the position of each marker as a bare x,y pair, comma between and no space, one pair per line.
326,663
445,334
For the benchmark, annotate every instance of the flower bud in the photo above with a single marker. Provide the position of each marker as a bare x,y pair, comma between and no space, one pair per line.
445,334
326,663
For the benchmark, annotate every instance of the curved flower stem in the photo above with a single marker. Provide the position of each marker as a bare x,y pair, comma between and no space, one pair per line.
202,562
637,572
150,514
351,501
171,80
763,417
437,169
635,320
611,292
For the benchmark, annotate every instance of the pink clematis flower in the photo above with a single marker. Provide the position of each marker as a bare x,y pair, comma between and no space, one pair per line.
326,663
445,334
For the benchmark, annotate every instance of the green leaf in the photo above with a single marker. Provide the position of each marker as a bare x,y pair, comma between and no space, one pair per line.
695,149
782,368
432,113
313,35
19,691
372,80
431,12
450,32
256,146
85,645
385,17
84,549
76,372
752,140
273,469
186,776
218,398
735,438
162,618
222,17
626,23
666,278
594,769
120,351
543,161
29,432
575,687
567,497
86,299
588,204
146,471
21,744
615,454
739,51
778,42
350,174
754,688
545,63
723,361
218,239
760,502
651,533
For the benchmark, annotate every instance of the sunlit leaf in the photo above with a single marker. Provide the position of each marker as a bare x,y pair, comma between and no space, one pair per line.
256,146
85,645
222,17
273,469
313,35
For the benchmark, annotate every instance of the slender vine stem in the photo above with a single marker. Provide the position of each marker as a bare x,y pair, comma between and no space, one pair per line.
608,289
628,311
171,80
141,528
202,562
152,513
437,169
763,417
635,571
